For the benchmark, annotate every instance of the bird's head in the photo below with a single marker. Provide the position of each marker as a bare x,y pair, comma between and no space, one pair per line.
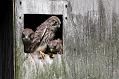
54,22
55,46
27,35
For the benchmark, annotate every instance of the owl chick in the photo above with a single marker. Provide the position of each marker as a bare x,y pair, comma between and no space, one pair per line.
27,37
54,47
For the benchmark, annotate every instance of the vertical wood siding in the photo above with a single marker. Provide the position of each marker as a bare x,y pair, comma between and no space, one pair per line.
91,39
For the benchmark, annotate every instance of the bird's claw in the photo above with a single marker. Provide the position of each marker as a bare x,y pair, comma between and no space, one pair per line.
51,55
42,55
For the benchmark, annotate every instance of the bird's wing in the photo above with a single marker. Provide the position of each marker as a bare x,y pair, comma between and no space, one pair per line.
43,33
38,36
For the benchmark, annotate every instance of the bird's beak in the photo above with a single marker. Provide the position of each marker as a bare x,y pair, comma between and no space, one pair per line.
26,38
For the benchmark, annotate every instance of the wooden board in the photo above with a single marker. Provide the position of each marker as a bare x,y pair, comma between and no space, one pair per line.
91,39
25,67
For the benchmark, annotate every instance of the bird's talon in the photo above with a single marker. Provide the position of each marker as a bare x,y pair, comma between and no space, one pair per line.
42,55
52,56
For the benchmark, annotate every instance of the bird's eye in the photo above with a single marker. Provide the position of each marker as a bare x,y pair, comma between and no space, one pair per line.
54,23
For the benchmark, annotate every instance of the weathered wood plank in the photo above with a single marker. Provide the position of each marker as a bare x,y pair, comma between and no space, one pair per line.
91,39
25,67
92,45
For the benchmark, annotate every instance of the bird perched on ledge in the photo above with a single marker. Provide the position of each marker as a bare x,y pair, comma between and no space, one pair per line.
27,37
55,47
43,34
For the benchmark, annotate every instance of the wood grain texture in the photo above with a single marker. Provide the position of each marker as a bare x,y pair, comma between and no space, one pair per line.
25,67
94,39
90,36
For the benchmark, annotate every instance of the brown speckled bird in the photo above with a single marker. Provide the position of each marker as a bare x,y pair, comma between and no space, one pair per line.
27,37
43,34
55,47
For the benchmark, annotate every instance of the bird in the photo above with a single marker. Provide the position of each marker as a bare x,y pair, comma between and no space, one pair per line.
55,47
43,34
27,37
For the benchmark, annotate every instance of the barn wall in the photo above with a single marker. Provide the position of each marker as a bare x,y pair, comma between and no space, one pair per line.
90,43
25,68
92,39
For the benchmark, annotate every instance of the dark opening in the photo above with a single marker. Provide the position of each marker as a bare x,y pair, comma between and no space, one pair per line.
32,21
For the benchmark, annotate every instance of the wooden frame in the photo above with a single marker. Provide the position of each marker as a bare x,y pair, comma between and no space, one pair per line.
32,7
